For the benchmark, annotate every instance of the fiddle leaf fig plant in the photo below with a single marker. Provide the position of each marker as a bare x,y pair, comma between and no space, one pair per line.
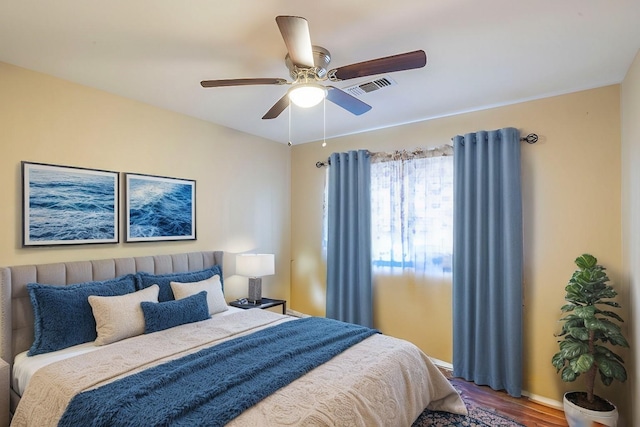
589,328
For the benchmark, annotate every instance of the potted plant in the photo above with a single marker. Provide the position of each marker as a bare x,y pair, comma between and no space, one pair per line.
589,329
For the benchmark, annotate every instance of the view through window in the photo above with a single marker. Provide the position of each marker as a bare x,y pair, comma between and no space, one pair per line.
411,214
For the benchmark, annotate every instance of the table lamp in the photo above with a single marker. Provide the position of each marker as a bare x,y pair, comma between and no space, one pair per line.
254,266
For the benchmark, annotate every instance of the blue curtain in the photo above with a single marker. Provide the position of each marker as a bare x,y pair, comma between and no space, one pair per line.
349,290
487,260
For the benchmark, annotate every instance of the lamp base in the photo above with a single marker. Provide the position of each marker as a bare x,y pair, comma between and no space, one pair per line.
255,290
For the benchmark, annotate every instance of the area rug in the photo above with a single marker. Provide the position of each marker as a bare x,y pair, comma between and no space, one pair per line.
478,417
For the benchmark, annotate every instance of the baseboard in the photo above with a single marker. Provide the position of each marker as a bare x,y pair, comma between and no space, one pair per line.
533,397
442,364
543,400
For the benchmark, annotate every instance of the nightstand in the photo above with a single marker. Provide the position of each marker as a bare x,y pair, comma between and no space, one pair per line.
265,303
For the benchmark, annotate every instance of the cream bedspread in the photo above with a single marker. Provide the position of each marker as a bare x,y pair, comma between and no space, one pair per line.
381,381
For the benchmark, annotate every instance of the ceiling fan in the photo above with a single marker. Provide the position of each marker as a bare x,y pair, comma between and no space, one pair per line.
307,66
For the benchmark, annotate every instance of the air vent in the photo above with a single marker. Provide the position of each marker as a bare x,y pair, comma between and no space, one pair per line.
371,86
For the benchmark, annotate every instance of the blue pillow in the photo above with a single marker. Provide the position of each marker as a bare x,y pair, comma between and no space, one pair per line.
164,315
144,280
62,314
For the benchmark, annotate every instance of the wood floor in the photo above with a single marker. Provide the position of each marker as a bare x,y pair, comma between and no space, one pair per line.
522,410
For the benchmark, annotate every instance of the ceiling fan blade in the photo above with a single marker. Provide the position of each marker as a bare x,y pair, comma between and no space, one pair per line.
346,101
388,64
242,82
295,32
277,108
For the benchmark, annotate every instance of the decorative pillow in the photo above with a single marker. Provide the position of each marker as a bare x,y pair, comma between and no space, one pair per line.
164,315
215,297
144,280
62,314
120,317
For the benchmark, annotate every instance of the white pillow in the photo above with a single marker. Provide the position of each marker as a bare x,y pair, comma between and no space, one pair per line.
120,317
215,297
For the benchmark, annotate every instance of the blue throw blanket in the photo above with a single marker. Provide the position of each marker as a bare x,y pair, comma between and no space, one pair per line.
215,385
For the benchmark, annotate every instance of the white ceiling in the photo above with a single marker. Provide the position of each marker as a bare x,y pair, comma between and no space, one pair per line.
480,53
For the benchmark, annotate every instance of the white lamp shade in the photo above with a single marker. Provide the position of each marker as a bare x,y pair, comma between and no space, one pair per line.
307,95
255,265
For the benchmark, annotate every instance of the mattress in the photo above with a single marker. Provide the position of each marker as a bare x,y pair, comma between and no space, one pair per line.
24,367
381,381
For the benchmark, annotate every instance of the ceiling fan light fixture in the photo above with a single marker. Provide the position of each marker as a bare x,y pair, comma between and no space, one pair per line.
307,95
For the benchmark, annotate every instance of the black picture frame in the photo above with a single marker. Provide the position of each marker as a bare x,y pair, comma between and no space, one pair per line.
159,208
68,205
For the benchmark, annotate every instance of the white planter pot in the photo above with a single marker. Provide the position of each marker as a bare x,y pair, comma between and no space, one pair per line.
578,416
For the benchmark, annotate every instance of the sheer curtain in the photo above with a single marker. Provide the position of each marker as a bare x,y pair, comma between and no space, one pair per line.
487,267
412,211
349,290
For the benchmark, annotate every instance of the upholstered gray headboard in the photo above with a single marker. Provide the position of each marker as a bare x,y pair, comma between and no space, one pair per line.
16,312
16,321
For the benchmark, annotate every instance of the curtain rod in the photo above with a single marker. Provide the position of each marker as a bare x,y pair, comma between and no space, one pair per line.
532,138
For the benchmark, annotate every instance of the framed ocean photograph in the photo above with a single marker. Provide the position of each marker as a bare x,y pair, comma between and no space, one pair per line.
65,205
158,208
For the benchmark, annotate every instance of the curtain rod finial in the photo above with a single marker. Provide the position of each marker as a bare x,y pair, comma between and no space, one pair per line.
532,138
323,164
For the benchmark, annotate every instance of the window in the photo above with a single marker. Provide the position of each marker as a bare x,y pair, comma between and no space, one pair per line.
412,213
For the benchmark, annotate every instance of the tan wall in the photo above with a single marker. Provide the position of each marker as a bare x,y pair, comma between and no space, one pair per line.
242,182
630,213
571,191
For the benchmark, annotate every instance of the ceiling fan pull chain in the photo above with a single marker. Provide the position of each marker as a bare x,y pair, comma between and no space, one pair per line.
289,143
324,122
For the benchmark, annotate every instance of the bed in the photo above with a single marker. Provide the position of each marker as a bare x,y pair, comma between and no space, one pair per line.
372,379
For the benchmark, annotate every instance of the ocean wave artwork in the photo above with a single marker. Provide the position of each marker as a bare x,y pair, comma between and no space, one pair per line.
64,205
160,208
